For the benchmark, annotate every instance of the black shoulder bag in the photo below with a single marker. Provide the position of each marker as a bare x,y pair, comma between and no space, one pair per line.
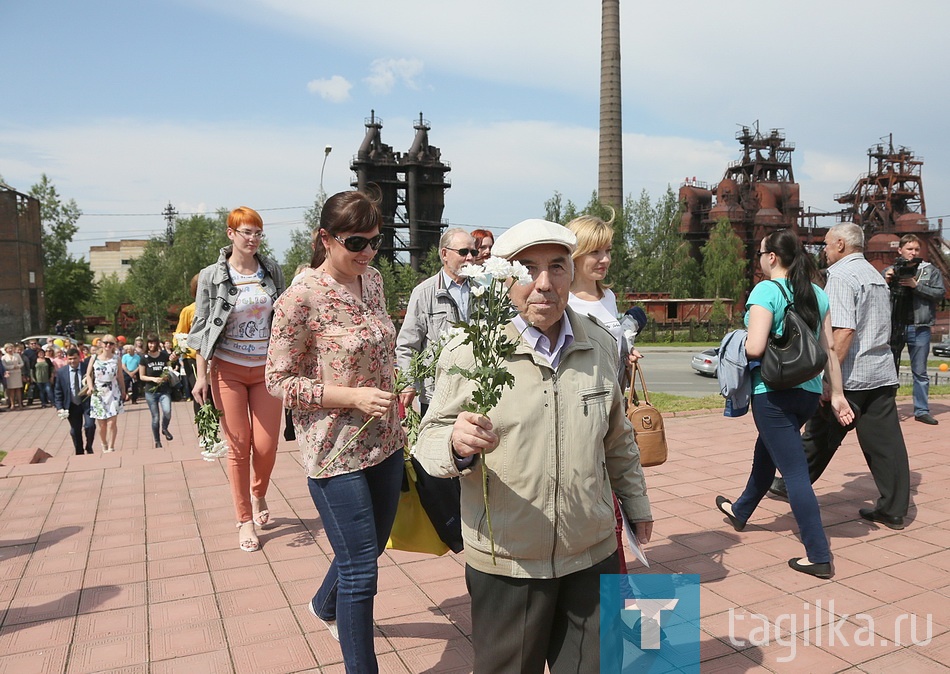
796,356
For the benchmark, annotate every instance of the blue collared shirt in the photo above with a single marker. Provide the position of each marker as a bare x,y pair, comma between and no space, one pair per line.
459,292
541,345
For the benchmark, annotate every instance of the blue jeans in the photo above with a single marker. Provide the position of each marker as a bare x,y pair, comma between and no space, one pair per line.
917,338
779,416
154,400
46,393
358,510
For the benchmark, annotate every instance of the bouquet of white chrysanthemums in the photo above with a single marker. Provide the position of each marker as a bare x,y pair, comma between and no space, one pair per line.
208,420
490,310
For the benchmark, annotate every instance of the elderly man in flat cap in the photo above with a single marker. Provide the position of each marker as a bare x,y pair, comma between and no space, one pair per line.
556,446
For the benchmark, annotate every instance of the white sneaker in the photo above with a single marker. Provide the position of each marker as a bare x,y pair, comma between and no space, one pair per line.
330,624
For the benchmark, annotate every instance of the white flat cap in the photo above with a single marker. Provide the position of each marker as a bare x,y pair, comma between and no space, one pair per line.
533,232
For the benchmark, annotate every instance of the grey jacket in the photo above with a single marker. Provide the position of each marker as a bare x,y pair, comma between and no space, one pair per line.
565,446
430,312
213,303
735,382
929,291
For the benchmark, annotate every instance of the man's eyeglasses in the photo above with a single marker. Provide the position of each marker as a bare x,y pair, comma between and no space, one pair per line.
249,235
355,244
465,252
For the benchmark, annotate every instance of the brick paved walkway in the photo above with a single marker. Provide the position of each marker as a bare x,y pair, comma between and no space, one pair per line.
128,561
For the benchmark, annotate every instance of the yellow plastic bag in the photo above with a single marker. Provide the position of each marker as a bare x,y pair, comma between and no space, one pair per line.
412,530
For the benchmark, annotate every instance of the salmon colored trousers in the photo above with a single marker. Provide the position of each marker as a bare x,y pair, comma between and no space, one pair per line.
251,424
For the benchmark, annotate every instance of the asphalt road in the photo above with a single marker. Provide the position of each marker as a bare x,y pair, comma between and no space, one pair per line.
666,369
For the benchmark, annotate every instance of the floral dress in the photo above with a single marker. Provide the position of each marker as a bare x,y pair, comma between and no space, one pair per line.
321,334
106,401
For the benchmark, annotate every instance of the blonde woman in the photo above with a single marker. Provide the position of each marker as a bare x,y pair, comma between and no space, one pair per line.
592,297
103,378
13,376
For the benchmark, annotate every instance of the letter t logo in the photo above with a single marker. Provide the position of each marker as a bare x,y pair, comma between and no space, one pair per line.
650,610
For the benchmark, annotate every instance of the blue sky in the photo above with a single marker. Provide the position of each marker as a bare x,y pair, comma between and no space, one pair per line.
219,103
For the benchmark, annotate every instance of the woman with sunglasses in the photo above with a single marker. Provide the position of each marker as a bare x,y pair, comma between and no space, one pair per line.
331,360
790,273
104,380
230,332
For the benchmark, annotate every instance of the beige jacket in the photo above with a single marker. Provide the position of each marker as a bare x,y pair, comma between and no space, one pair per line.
565,444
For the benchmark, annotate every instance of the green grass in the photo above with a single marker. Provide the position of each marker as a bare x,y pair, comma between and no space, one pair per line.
938,390
3,455
667,402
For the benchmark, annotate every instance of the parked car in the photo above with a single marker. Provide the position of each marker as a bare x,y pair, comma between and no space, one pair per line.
706,362
942,349
42,339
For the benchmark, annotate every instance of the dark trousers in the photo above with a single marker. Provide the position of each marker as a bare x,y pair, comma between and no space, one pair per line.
882,442
79,420
519,624
132,386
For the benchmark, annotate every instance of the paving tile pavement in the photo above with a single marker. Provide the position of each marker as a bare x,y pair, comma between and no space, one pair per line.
128,562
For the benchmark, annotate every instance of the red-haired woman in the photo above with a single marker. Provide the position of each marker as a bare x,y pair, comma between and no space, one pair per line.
230,333
484,240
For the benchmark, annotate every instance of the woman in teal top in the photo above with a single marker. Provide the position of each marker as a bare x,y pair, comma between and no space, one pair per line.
779,415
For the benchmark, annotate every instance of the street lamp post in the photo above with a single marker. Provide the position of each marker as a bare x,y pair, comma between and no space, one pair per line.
326,153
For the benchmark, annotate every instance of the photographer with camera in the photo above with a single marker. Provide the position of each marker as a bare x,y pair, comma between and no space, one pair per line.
916,286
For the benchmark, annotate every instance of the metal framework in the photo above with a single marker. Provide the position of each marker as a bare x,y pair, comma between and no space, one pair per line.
411,186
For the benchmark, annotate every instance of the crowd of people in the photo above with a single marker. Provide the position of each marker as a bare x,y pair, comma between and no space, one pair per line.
560,479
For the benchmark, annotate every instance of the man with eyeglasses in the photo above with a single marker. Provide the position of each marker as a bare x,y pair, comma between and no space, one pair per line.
434,305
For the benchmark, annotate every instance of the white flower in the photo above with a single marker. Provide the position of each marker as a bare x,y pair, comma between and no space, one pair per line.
470,270
448,336
498,267
478,291
181,338
219,450
520,273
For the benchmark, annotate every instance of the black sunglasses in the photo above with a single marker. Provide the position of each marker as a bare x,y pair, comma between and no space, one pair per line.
465,251
355,244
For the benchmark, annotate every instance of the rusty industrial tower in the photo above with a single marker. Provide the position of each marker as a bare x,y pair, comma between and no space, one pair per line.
757,194
610,166
412,189
888,202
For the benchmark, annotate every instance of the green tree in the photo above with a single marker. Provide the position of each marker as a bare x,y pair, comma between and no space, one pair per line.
68,280
160,278
300,252
655,244
110,293
301,239
398,282
724,263
69,284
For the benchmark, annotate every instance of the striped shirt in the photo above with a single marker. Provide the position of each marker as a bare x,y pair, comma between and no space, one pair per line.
860,301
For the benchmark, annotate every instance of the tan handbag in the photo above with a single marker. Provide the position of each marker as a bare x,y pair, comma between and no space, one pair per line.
647,422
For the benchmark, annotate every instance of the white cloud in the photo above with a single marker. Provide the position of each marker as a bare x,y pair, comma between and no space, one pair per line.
336,89
385,72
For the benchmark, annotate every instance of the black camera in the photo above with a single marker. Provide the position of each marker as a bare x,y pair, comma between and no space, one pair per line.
904,268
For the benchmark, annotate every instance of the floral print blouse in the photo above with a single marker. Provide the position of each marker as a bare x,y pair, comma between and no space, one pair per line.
321,334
